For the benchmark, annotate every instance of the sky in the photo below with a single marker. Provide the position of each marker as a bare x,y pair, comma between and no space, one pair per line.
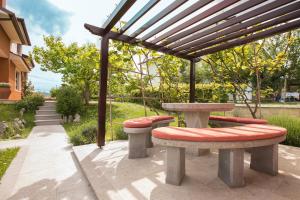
64,18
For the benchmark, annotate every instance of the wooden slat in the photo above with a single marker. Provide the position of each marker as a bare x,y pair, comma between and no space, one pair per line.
158,17
267,33
253,29
127,39
138,15
216,31
116,15
218,18
196,6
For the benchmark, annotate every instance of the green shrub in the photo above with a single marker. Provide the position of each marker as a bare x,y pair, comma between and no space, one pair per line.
53,92
85,134
292,125
31,102
68,101
120,134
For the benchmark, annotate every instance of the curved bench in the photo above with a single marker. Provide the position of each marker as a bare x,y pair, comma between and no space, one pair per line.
157,121
139,133
231,143
222,121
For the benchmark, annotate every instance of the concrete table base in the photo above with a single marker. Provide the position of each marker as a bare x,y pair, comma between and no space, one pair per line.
265,159
175,164
231,167
197,120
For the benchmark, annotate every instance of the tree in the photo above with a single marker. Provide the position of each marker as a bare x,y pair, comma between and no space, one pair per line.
246,67
79,65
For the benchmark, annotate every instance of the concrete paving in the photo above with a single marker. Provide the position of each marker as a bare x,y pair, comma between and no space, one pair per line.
115,177
45,169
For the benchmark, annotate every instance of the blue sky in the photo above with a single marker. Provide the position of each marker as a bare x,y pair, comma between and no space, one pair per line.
63,18
66,18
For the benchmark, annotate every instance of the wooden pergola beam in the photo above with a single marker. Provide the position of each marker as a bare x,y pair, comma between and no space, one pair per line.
210,11
116,15
138,15
244,32
173,6
261,35
236,23
196,6
130,40
229,13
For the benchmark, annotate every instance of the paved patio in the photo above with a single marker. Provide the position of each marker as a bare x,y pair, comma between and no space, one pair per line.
113,176
45,169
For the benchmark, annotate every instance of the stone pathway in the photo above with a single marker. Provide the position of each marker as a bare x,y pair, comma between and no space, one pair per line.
45,169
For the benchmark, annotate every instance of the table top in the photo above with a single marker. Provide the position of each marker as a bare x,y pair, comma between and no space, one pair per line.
198,107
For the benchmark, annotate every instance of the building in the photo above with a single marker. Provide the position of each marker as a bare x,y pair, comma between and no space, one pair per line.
14,65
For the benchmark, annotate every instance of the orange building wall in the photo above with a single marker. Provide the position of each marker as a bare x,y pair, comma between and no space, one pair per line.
15,94
4,44
4,69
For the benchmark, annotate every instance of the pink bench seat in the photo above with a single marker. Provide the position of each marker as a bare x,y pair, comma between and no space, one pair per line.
240,120
139,133
234,134
137,123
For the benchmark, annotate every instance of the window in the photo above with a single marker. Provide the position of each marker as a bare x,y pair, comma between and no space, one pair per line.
18,81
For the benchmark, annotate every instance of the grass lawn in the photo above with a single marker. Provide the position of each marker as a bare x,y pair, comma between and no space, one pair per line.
6,157
120,112
8,113
292,124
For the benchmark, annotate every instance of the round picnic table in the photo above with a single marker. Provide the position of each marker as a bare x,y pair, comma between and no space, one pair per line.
196,115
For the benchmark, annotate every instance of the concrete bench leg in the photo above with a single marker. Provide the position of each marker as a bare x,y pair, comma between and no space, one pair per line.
175,168
265,159
231,167
149,143
137,145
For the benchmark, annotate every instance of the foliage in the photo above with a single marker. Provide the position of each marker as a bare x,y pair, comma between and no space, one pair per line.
292,124
120,113
78,64
85,135
6,157
31,102
8,114
245,67
53,92
68,101
28,89
207,92
4,85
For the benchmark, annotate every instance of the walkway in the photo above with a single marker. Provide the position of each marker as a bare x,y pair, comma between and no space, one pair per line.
45,169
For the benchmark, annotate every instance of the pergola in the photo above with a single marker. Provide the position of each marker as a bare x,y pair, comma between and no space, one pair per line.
220,25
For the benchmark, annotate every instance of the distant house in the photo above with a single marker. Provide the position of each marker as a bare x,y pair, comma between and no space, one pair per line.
14,65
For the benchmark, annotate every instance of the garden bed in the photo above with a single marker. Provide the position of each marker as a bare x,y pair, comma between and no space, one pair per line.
9,113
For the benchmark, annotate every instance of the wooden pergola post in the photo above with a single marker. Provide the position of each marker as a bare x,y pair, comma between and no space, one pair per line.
102,91
192,81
